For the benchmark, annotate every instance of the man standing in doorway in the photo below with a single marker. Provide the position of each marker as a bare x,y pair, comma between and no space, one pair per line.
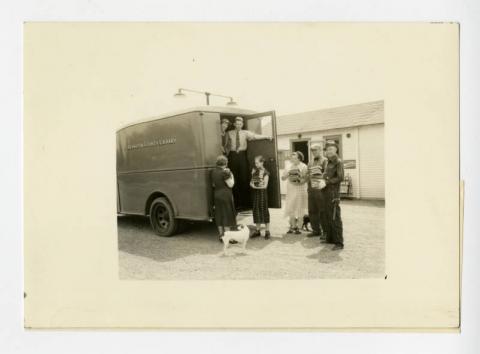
333,176
238,164
316,200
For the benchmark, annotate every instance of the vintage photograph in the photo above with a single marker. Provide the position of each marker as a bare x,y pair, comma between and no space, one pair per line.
223,192
238,177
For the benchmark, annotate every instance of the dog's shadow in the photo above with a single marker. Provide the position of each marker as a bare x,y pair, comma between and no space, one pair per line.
232,254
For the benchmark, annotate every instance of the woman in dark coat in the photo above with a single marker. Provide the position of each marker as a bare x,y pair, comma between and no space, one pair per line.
222,183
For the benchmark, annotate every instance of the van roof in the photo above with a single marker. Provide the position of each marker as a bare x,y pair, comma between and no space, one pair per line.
213,109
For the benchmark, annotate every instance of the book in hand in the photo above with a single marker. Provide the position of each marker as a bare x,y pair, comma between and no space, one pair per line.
318,183
315,171
316,177
257,181
226,173
294,175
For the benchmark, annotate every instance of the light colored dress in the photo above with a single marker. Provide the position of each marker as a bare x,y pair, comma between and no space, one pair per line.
296,202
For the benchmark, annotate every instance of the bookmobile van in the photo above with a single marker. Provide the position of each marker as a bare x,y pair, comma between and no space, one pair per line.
164,164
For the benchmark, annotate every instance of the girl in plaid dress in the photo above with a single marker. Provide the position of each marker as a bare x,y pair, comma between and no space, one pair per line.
259,184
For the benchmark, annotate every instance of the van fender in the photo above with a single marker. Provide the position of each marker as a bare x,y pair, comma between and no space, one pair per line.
157,194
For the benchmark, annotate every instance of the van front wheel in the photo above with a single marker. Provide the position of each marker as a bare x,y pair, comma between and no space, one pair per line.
162,218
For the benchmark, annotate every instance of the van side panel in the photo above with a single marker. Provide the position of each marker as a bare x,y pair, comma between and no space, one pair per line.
164,156
188,190
163,144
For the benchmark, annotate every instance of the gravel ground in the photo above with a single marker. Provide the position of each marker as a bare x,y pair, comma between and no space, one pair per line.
197,253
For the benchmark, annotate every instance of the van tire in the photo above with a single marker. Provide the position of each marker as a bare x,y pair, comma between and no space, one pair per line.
162,217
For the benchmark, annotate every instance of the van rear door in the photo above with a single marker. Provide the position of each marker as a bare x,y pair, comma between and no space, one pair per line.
265,124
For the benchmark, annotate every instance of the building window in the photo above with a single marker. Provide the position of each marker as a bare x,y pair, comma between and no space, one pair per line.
338,141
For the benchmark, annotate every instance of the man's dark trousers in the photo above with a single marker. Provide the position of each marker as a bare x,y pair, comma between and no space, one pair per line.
334,226
238,164
316,210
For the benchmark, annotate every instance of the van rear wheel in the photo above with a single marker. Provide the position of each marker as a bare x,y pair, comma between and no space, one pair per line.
162,218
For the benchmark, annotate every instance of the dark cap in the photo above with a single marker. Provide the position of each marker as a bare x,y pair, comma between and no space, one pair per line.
331,143
238,119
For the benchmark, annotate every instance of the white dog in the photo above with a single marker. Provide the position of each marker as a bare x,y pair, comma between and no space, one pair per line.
241,236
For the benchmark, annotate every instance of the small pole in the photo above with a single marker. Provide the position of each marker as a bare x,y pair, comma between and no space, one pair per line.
207,94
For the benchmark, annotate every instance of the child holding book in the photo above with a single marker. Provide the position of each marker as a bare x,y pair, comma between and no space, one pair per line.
259,184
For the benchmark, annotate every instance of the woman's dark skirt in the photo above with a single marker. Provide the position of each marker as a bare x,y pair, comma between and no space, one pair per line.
261,215
225,214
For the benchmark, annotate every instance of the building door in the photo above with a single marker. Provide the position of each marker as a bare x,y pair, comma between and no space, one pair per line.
265,124
303,147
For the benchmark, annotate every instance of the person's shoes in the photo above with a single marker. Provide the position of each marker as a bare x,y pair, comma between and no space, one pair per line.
255,234
297,231
290,231
267,235
337,247
325,241
313,234
323,237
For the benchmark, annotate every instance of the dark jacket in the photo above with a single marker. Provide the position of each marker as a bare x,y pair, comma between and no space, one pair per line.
225,144
333,176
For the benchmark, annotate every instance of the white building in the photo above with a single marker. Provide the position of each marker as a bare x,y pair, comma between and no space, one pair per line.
359,131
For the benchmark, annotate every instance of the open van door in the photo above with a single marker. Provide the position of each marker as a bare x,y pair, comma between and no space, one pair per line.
265,124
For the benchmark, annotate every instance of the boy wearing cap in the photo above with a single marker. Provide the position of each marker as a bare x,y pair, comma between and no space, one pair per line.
224,124
333,176
316,202
237,161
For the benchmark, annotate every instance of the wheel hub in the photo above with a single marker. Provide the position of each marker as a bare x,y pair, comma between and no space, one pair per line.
163,218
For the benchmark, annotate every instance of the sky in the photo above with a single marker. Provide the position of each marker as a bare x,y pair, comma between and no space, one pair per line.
289,69
131,71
